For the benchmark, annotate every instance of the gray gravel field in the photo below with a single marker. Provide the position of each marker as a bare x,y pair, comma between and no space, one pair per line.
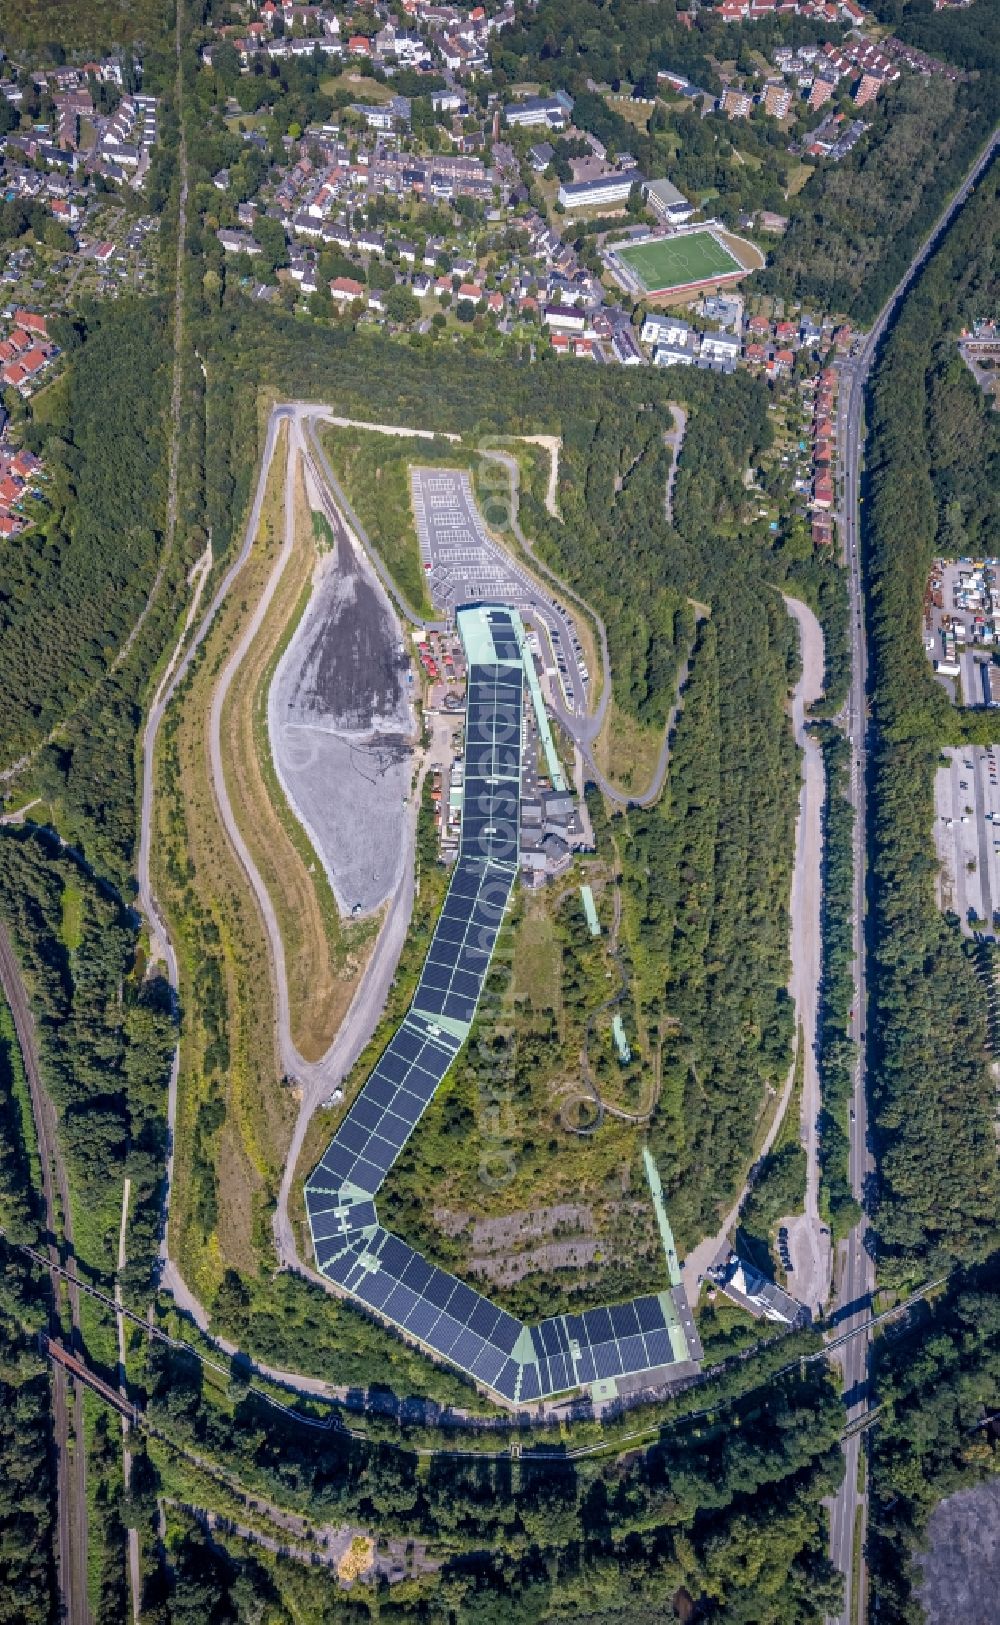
961,1569
341,728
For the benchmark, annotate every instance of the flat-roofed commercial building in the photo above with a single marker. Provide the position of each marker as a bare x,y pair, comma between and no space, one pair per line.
603,189
666,201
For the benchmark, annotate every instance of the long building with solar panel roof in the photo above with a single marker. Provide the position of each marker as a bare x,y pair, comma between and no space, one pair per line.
520,1364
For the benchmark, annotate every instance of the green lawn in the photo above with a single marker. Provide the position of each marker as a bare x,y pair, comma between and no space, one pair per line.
674,262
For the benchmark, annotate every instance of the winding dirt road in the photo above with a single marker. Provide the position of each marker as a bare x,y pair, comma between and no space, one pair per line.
316,1078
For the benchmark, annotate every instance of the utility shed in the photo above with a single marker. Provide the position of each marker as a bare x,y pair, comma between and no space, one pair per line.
590,909
621,1042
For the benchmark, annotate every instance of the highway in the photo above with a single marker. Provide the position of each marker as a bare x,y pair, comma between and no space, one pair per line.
856,1263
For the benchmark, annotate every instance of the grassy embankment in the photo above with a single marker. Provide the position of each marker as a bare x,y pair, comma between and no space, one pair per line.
324,956
233,1115
626,750
374,470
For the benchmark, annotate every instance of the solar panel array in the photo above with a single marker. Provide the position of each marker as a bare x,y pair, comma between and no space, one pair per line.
452,1319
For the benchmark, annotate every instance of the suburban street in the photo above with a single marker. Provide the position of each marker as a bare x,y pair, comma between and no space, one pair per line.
856,1264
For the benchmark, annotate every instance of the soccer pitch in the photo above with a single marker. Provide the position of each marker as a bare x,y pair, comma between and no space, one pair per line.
676,262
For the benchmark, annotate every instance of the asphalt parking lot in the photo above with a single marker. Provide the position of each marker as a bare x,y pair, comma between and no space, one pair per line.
465,565
967,837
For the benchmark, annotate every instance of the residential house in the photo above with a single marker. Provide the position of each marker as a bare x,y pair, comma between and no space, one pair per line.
239,242
724,347
566,318
658,329
344,289
735,103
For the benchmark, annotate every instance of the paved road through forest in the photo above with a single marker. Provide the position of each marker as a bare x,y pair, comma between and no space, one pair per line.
856,1261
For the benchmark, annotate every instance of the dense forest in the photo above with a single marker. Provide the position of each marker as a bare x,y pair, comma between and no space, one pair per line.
27,1558
74,587
933,441
105,1037
855,225
727,1521
836,1048
58,33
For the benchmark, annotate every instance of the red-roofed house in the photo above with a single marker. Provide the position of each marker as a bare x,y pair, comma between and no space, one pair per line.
13,374
867,88
32,322
821,92
344,288
823,491
10,490
19,340
34,359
